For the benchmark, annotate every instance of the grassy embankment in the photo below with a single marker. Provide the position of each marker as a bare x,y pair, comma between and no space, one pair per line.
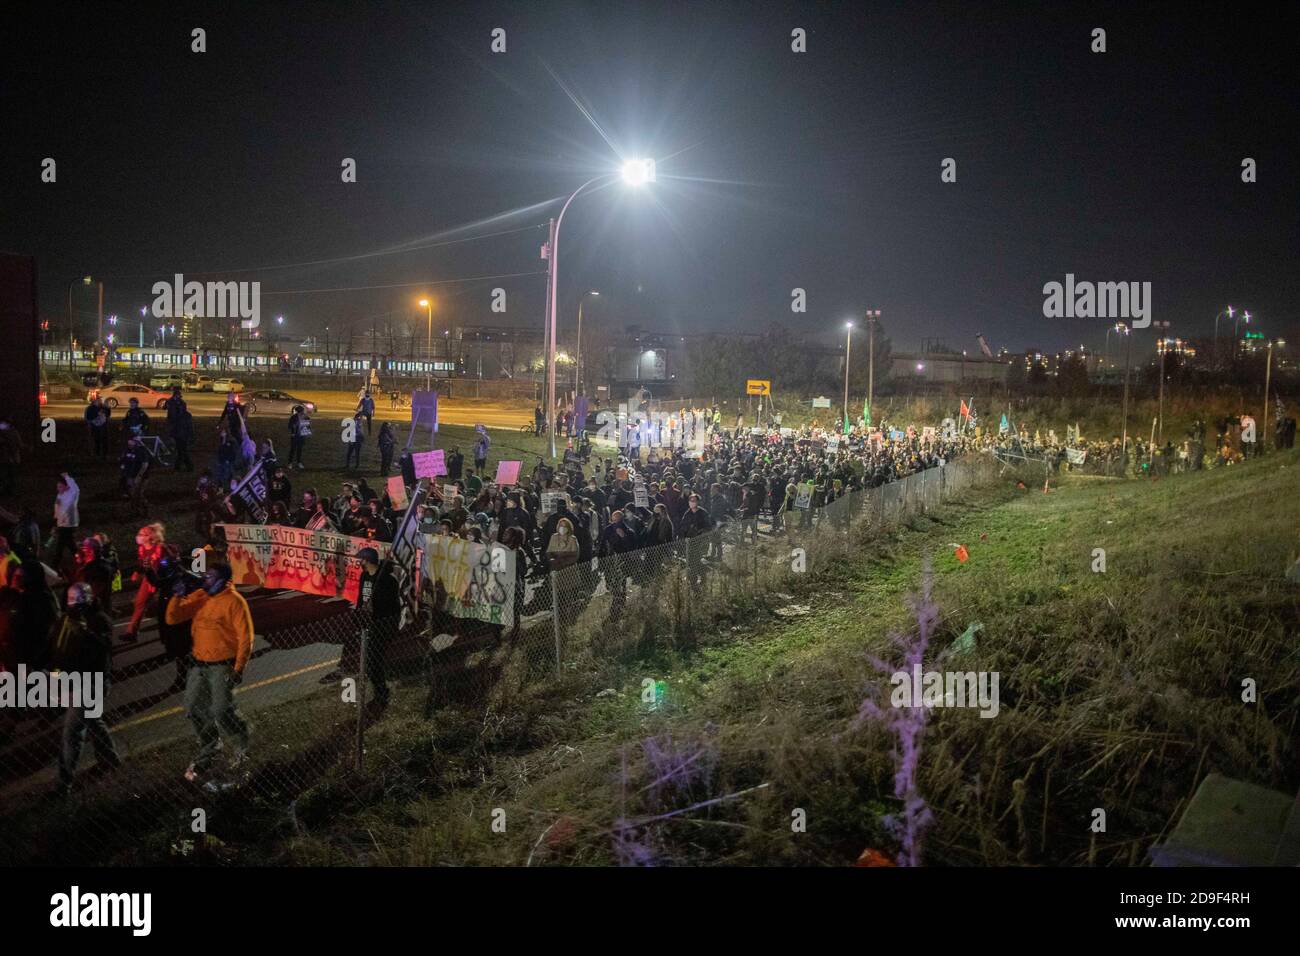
1119,690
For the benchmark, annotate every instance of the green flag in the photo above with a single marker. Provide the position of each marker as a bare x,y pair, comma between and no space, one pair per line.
866,413
847,426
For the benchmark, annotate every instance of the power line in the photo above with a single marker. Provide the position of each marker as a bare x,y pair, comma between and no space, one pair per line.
406,285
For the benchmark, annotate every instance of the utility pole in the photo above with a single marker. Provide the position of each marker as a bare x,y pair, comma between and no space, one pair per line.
1128,354
872,315
550,350
1268,372
1160,407
848,351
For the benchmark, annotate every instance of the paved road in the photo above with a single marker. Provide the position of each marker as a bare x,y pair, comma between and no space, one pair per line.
451,411
144,706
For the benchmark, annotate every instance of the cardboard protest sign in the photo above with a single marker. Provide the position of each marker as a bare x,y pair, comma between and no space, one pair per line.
424,410
449,492
430,464
551,501
314,562
833,444
397,491
804,501
640,496
508,473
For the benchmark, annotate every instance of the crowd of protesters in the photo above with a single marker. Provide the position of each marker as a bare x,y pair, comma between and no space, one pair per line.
1234,439
677,476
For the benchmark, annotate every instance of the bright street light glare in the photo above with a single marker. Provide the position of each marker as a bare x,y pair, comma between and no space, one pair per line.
424,303
638,172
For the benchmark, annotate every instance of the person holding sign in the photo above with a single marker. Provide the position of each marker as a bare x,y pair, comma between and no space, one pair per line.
379,605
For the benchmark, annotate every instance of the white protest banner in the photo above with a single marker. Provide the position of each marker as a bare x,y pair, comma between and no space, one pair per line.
1076,456
821,402
479,579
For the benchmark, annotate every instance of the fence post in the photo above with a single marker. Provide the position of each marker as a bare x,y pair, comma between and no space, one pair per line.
361,700
555,618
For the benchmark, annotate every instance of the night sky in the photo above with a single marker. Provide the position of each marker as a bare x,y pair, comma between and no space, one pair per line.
777,170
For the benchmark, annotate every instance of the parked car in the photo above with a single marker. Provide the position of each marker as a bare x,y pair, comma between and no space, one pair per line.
275,403
167,380
199,383
122,393
228,385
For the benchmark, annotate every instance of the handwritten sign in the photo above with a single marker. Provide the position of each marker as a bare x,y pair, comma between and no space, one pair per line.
449,492
397,491
430,464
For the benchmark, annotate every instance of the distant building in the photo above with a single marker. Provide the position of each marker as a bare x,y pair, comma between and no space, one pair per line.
946,368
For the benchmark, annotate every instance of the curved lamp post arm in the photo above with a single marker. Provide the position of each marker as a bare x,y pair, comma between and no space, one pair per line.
554,254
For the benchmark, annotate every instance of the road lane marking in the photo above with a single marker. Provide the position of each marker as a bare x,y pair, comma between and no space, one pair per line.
171,711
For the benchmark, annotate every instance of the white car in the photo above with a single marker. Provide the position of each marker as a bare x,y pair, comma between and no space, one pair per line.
199,383
167,380
115,395
228,385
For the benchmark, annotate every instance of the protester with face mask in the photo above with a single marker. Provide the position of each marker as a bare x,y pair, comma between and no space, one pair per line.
94,571
83,647
562,549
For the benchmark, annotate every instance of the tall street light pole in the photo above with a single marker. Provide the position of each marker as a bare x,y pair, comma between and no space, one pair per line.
1229,312
635,172
428,347
1163,342
577,352
848,347
1236,335
871,317
1268,373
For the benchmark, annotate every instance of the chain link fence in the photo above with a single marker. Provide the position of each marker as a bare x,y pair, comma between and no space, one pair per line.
297,720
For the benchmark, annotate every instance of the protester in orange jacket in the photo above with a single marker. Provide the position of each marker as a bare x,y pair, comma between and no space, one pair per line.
222,630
